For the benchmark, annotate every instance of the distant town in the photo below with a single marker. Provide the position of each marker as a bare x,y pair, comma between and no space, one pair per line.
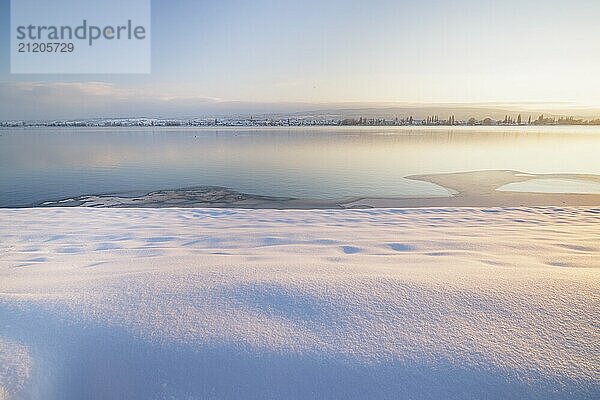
433,120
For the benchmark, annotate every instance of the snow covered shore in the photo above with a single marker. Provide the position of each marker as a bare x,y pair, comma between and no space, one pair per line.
444,303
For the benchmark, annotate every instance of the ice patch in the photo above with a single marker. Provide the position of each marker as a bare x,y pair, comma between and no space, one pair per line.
548,185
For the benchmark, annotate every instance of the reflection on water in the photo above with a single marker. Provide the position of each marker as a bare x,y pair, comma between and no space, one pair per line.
38,164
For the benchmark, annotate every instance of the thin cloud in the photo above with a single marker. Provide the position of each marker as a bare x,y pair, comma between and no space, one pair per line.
95,99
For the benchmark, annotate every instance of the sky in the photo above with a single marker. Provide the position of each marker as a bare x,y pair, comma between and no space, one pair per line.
240,55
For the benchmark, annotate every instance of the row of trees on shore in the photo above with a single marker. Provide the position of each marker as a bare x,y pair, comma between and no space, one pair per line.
433,120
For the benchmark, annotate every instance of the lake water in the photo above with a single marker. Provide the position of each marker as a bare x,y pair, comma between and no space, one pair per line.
39,164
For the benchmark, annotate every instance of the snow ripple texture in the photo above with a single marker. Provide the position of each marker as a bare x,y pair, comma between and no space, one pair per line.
499,303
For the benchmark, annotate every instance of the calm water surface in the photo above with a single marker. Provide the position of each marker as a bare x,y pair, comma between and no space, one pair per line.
39,164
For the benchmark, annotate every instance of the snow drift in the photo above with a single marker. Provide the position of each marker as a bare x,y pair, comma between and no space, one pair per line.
257,304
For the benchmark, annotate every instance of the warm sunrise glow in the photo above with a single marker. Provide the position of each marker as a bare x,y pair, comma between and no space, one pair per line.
207,54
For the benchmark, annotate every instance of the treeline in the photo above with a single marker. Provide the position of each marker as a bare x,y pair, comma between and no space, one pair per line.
434,120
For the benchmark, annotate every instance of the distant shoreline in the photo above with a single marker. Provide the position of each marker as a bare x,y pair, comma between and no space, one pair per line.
304,121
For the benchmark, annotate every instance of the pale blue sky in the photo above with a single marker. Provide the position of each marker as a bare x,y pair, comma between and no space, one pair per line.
334,51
